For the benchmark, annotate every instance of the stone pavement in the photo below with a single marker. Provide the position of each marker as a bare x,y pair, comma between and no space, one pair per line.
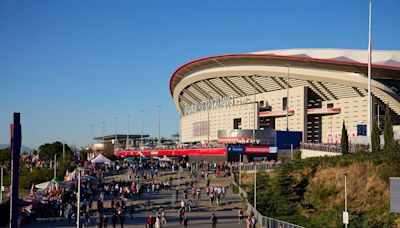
200,216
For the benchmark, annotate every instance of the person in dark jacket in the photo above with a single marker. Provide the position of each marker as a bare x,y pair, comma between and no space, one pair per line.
121,218
105,221
114,220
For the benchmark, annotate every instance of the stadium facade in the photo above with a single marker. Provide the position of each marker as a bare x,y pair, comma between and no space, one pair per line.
306,90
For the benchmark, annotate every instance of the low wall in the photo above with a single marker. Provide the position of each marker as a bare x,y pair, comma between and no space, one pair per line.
315,153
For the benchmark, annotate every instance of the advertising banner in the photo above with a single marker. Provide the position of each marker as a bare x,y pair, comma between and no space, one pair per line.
257,149
235,149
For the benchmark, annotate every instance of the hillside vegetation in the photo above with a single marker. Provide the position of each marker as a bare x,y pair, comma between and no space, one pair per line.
310,192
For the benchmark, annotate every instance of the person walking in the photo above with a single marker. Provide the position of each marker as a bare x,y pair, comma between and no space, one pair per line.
185,222
163,217
150,221
99,220
240,213
114,220
214,220
157,224
121,218
105,221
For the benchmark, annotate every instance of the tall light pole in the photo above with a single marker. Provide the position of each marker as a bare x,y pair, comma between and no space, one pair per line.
55,166
240,169
345,198
92,134
127,136
255,187
379,127
369,73
141,137
159,124
1,184
78,214
103,123
208,127
116,130
287,99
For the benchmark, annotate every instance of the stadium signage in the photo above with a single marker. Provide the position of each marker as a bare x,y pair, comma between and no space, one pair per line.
220,102
248,141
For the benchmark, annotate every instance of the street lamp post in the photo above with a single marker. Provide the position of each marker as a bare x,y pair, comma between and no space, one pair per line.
159,124
378,120
369,72
78,213
127,136
116,130
103,123
345,199
1,184
55,166
240,169
141,137
255,187
287,99
92,134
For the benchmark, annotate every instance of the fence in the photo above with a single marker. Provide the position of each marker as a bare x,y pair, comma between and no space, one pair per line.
263,221
336,148
249,167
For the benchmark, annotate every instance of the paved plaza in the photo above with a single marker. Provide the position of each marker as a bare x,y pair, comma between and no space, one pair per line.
200,215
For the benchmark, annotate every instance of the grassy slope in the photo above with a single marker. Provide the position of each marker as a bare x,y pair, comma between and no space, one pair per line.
320,185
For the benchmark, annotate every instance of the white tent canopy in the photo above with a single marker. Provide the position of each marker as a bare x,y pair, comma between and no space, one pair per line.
101,159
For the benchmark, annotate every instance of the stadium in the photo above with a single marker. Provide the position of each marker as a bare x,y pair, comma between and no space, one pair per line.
233,98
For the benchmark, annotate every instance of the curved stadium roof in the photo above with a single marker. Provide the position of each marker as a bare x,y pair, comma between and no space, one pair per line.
386,64
331,73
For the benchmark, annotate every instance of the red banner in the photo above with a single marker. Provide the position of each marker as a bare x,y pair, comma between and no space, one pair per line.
256,149
184,152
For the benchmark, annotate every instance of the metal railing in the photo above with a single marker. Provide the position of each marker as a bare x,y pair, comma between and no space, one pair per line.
335,148
263,221
249,167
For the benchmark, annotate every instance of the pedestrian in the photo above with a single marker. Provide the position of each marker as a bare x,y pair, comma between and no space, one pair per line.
99,220
253,222
240,213
150,221
105,221
185,221
214,220
248,222
163,217
181,215
157,224
121,220
114,220
131,211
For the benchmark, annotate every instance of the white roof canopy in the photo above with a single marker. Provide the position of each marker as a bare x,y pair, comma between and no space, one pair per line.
101,159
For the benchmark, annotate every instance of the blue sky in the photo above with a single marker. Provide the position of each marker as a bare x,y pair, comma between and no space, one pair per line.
68,64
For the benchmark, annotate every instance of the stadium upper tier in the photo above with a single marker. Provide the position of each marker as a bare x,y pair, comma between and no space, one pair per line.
331,73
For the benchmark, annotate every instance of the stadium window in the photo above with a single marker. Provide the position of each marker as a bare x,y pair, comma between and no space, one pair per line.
237,123
284,103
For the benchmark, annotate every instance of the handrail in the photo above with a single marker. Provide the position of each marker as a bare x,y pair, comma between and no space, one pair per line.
264,221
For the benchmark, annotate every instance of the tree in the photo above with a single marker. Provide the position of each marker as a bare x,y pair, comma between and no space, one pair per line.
345,140
388,132
375,139
47,151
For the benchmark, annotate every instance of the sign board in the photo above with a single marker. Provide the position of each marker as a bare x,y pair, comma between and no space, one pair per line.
395,194
273,150
345,217
256,149
235,149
